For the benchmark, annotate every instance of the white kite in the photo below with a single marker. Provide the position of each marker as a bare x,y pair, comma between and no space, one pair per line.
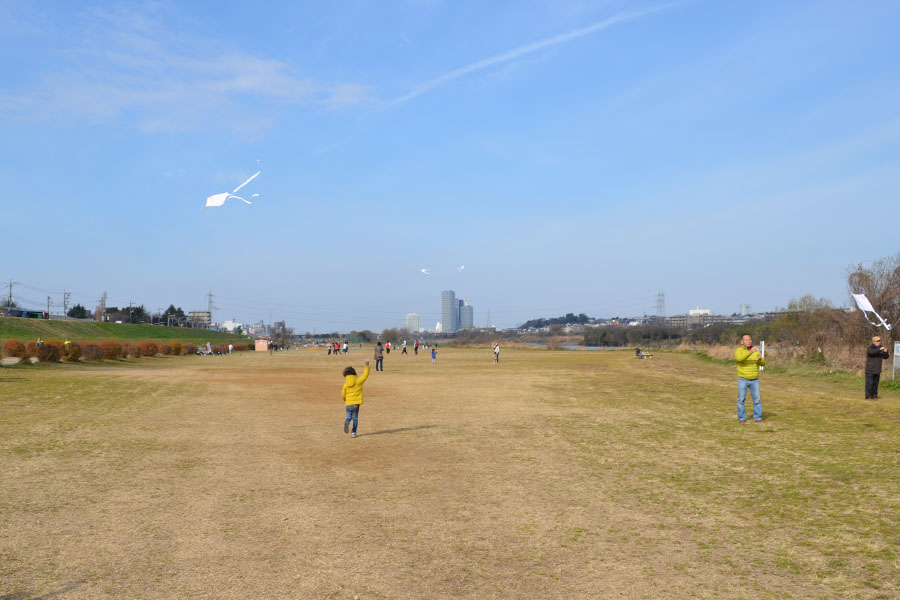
461,268
866,307
425,271
219,199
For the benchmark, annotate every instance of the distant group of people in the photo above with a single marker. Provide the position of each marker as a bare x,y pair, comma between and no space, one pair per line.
276,346
336,348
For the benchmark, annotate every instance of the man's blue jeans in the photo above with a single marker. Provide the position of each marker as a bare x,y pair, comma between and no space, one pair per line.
753,384
353,415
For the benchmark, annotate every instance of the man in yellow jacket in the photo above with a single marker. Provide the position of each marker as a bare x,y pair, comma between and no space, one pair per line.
748,363
352,393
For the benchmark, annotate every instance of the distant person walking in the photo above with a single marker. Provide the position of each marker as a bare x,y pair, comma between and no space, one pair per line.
404,348
387,347
875,357
230,348
379,357
352,393
434,355
416,347
346,347
496,352
748,363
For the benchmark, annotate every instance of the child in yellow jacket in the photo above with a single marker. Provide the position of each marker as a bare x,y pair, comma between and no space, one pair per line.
352,393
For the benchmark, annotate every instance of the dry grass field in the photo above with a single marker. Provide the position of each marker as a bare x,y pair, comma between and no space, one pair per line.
550,475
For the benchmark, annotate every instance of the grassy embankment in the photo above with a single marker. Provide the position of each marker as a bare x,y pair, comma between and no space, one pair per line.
550,475
27,330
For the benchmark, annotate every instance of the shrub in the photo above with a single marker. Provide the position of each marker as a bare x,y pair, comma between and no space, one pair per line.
91,352
220,349
111,349
49,353
14,348
165,348
148,348
30,350
188,349
176,348
131,350
73,354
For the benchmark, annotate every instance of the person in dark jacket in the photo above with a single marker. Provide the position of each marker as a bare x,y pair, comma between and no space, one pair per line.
379,357
875,357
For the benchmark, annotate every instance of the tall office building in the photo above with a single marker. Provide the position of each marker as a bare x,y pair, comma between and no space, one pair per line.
466,316
449,311
412,322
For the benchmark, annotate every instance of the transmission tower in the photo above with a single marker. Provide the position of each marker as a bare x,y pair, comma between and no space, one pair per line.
66,296
212,307
487,320
661,306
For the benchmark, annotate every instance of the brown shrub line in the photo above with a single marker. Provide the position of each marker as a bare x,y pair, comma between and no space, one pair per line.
54,350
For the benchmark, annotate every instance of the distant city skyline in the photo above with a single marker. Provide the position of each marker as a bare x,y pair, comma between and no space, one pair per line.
573,156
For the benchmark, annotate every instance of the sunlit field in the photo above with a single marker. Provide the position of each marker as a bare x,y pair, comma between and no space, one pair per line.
551,475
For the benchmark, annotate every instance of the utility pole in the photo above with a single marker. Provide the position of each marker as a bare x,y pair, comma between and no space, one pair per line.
48,307
66,296
102,307
9,300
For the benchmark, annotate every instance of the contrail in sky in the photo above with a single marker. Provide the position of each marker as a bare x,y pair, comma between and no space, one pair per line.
522,51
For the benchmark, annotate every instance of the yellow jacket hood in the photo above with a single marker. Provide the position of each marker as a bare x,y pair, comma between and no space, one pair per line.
352,392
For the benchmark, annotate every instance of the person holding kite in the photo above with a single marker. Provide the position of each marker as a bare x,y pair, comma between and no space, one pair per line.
748,363
875,356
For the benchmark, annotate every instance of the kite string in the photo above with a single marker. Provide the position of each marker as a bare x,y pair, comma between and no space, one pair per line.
252,177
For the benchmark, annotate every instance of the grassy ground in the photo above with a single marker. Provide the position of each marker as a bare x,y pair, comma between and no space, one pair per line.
551,475
27,330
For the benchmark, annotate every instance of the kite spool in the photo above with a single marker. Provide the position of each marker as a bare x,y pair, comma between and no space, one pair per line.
762,353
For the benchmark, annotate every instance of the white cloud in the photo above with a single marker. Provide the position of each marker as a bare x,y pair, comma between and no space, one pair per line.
128,67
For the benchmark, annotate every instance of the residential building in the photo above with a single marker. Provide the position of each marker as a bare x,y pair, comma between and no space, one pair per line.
231,325
466,315
201,319
449,311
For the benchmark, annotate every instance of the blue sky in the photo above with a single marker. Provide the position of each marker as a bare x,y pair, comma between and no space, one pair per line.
574,156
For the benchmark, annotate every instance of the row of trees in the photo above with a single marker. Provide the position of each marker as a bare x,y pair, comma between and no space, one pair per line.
135,314
567,319
807,322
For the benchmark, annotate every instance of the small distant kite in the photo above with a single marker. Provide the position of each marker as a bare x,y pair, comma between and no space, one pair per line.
461,268
866,307
425,271
219,199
